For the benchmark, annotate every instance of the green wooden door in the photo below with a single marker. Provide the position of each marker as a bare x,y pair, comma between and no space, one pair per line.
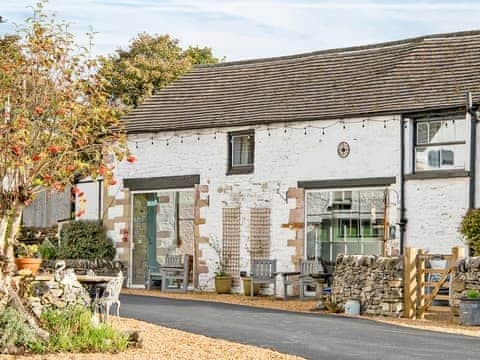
152,203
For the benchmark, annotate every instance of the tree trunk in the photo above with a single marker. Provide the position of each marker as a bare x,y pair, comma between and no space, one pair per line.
16,221
3,232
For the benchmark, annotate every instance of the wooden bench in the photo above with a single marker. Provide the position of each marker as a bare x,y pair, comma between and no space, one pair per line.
264,272
176,268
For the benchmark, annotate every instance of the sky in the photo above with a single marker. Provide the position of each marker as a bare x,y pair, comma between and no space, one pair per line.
246,29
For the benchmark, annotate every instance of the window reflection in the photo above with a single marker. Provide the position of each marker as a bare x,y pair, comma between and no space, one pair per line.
344,222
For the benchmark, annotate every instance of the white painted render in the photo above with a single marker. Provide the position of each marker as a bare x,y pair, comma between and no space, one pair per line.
434,207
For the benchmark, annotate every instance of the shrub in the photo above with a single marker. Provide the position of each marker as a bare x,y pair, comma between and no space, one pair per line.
85,240
470,228
47,250
14,331
473,294
71,330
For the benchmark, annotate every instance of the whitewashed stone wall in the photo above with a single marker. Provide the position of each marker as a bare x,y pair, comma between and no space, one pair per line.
281,160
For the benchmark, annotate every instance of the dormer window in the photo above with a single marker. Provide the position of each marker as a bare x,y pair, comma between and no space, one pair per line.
241,152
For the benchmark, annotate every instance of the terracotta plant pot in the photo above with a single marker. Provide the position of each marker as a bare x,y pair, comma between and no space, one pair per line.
32,264
223,284
246,287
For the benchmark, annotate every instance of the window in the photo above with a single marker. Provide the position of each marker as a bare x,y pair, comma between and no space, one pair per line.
344,222
440,144
241,152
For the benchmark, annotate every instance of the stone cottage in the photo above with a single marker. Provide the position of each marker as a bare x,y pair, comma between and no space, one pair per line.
361,150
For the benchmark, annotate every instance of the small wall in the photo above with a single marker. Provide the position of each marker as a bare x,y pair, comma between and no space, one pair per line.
377,282
80,267
465,277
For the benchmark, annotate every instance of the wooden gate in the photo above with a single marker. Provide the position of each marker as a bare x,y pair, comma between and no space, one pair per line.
417,300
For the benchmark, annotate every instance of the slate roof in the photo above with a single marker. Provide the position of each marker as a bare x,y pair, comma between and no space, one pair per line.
429,72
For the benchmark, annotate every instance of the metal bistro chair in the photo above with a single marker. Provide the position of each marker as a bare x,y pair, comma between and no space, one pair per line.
311,274
177,270
264,272
110,297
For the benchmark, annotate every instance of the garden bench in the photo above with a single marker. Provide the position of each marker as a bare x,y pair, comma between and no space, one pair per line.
177,269
263,272
153,273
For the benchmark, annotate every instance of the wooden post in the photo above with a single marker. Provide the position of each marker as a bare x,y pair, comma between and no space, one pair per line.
410,282
421,283
458,252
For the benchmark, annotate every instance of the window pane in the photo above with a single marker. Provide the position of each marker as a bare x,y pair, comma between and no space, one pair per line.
339,222
441,131
242,150
440,157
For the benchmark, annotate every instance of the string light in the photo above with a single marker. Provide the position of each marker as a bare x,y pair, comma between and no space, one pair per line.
269,130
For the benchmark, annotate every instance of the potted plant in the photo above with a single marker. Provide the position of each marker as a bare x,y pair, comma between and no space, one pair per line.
223,280
247,283
470,308
27,257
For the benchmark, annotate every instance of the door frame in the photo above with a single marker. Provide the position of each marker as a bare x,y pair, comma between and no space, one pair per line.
130,248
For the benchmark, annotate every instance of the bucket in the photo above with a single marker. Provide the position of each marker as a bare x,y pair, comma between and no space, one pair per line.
352,307
470,312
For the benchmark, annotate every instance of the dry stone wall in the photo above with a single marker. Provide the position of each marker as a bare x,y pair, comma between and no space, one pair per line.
466,277
377,282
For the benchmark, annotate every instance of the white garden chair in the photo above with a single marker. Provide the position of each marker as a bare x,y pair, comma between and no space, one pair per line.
111,296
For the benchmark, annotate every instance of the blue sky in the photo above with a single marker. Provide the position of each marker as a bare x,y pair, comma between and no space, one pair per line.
243,29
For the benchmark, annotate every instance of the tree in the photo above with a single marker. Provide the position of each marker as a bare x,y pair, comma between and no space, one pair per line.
56,121
149,64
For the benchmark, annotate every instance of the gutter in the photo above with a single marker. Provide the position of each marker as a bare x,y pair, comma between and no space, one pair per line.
403,221
472,110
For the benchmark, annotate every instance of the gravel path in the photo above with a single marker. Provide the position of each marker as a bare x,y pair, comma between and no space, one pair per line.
309,335
160,343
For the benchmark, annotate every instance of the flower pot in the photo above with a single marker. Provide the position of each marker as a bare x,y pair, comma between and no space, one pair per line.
470,312
32,264
246,287
223,284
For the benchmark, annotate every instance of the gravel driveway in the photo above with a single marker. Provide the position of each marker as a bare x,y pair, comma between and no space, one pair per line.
309,335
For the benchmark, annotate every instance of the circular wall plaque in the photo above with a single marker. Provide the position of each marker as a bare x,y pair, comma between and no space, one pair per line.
343,149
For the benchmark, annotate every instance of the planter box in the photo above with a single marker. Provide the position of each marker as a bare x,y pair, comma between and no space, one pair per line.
246,287
223,284
469,312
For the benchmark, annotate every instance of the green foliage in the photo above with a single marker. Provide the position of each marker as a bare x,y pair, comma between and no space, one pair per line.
26,251
85,240
14,331
47,250
71,330
473,294
149,64
470,228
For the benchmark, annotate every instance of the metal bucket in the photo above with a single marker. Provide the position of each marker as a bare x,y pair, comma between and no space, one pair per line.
470,312
352,307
